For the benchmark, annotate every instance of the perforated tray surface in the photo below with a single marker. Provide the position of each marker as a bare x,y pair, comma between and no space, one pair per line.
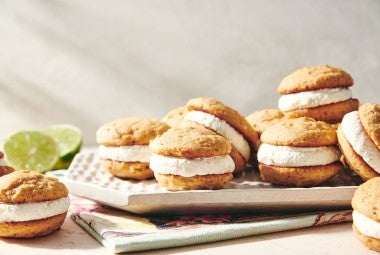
247,192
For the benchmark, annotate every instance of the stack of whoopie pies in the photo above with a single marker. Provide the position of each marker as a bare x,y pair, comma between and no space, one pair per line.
317,130
294,145
207,143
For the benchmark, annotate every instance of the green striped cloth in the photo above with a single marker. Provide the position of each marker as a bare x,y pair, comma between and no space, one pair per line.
124,232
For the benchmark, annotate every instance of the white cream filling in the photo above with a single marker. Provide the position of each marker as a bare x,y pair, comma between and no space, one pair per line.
360,141
365,225
3,162
33,211
134,153
288,156
191,167
223,128
313,98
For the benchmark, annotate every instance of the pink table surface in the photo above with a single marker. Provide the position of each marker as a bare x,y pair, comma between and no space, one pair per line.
71,239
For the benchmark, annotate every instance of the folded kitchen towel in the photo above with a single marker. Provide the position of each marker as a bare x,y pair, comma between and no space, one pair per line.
121,231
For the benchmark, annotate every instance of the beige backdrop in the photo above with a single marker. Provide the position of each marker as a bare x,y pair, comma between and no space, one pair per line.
88,62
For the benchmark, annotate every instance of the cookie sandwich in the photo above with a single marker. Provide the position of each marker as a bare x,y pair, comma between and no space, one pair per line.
227,122
359,140
262,119
320,92
366,213
191,158
4,168
124,146
31,204
298,152
175,116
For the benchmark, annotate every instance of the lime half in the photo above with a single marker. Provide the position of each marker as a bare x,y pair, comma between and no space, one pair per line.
69,140
31,150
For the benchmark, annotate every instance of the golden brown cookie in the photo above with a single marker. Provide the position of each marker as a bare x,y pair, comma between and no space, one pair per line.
370,242
331,113
240,163
229,115
30,186
190,142
128,170
366,199
299,176
366,214
261,120
191,157
177,182
353,160
31,229
45,197
124,146
299,152
300,132
370,119
316,77
130,131
325,94
175,116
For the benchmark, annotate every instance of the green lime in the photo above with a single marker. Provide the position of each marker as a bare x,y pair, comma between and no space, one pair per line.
31,150
69,140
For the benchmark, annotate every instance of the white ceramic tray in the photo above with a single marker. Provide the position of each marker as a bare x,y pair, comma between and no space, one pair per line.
247,192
